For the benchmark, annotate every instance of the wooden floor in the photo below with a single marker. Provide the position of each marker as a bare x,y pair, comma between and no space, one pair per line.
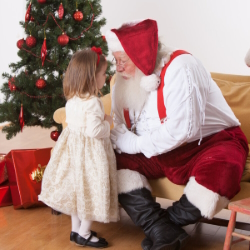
38,229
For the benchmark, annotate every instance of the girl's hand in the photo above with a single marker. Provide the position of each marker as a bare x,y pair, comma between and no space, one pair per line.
109,119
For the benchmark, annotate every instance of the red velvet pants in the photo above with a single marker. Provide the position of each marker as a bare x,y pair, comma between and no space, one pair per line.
216,164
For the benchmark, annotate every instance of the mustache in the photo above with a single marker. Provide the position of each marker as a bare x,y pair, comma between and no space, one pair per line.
125,75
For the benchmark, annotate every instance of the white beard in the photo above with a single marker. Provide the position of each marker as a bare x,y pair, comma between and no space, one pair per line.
128,92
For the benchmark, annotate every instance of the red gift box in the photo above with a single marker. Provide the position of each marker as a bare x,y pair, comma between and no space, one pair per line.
22,167
3,170
5,195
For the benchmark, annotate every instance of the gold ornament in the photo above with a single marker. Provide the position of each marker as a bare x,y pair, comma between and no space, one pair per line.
37,175
2,156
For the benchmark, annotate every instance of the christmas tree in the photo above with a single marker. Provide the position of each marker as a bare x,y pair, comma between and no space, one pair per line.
55,30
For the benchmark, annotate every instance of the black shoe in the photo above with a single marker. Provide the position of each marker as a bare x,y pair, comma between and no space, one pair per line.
183,213
148,214
74,234
172,239
80,241
146,244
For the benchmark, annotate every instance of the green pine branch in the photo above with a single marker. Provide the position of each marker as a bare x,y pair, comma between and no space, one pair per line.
39,111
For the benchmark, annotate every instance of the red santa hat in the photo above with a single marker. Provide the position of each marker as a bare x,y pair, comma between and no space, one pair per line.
140,42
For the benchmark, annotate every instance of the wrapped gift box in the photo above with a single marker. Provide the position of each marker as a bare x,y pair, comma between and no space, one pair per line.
3,170
25,169
5,195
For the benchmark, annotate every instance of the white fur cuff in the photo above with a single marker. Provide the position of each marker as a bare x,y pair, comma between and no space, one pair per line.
207,201
129,180
150,83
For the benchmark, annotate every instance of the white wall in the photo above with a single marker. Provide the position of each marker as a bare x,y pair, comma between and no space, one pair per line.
215,31
11,13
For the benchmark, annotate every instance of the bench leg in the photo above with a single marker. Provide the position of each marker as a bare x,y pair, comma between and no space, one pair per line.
230,229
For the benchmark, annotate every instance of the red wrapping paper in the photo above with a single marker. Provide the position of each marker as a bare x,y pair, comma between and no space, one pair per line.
5,195
20,165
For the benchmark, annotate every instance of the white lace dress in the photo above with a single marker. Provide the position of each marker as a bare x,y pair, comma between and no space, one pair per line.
81,177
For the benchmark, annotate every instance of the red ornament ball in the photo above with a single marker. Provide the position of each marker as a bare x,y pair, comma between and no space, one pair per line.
104,39
13,88
63,39
31,41
11,81
32,19
54,135
78,16
11,84
41,1
40,83
20,43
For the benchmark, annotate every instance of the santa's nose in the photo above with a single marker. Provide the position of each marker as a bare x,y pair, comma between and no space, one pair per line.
119,68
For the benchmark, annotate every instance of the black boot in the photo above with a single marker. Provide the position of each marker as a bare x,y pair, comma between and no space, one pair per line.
183,213
146,213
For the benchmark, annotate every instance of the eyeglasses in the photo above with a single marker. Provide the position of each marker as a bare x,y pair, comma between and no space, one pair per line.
121,64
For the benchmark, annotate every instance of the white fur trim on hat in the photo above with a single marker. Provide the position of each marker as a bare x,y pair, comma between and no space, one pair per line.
207,201
129,180
113,41
150,83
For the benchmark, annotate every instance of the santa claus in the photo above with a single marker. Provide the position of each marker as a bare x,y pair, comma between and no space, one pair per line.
171,120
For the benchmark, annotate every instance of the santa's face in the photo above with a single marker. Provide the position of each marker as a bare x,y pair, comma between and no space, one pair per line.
124,64
128,92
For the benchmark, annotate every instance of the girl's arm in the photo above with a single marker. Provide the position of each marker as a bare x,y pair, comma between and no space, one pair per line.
96,126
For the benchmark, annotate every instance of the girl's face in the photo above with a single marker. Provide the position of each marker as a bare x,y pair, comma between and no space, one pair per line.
101,76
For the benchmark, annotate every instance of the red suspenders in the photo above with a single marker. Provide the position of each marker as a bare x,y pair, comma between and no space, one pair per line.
160,100
126,116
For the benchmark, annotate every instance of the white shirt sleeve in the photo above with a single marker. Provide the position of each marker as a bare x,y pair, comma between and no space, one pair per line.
96,126
185,93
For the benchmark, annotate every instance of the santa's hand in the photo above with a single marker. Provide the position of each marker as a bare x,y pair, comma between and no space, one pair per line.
124,140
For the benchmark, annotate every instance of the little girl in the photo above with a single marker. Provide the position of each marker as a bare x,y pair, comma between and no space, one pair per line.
80,178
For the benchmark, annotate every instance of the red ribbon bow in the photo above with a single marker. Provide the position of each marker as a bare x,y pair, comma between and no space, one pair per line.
98,51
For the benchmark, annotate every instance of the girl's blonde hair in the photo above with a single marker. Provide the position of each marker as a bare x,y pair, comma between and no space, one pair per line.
80,77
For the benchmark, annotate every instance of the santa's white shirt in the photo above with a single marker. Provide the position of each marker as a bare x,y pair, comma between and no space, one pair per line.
194,104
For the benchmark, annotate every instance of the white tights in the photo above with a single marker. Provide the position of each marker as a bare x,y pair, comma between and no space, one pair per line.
82,227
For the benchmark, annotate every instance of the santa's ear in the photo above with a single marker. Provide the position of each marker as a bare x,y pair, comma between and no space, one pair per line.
247,58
